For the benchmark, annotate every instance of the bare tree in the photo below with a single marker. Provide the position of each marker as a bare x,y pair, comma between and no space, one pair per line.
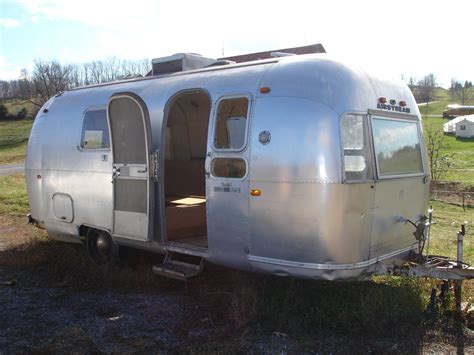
462,92
439,161
427,88
25,85
49,78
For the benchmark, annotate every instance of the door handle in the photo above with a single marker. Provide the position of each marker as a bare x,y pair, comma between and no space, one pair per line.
115,172
207,165
141,171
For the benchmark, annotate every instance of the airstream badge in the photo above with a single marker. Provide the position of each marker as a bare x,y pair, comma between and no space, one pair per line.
393,108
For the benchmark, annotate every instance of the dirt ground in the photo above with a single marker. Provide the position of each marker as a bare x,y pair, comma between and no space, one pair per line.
57,303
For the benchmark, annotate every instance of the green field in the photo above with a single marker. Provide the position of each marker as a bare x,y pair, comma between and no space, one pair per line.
13,139
461,151
441,99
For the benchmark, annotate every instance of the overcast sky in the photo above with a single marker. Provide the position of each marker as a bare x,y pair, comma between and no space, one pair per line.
402,37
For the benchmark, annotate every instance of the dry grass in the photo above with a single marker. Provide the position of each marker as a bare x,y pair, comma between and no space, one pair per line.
244,307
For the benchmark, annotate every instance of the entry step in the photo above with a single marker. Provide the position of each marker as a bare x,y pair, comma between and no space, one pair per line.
179,266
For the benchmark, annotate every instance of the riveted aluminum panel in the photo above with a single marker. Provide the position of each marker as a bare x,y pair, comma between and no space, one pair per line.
395,200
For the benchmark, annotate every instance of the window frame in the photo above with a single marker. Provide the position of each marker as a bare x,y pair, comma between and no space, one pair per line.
370,161
211,170
81,134
247,124
410,119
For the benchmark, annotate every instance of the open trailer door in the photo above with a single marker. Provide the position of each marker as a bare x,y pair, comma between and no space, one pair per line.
133,182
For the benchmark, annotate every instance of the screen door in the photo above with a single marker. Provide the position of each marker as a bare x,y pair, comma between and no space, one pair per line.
128,122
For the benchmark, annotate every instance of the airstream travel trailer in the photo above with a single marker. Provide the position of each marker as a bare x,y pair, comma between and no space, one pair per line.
298,166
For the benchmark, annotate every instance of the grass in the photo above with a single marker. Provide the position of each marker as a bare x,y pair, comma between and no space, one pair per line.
387,309
13,196
442,98
13,139
448,220
460,150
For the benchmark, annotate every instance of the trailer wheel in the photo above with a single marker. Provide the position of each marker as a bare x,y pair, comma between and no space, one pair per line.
101,247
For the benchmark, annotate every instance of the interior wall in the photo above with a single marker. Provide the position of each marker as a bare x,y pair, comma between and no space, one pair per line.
186,144
186,133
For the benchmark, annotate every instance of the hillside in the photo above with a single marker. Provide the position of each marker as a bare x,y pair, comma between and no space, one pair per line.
442,98
461,151
13,138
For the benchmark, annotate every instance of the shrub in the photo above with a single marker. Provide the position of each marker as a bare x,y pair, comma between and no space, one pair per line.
21,115
3,112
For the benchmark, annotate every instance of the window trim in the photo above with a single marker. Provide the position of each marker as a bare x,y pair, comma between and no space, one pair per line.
79,146
420,139
248,96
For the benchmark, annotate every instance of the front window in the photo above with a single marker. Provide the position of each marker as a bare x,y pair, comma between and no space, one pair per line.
95,131
397,147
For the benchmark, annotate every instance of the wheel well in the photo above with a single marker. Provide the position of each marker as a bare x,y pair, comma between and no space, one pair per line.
83,230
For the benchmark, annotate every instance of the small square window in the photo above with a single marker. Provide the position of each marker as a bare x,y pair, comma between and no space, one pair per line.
95,131
229,168
463,127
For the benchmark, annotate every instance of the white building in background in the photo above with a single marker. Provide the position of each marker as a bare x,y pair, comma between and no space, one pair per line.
465,128
462,126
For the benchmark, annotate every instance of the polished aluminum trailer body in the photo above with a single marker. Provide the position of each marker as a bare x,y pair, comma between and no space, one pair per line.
309,218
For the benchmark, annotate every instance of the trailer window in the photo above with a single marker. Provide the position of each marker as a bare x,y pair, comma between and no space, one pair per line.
354,138
397,147
231,124
229,168
95,131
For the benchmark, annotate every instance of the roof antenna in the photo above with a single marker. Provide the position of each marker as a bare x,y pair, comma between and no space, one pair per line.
222,47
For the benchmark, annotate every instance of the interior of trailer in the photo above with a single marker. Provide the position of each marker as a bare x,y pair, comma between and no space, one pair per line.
185,154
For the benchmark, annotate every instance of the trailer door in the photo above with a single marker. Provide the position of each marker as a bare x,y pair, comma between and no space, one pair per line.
227,183
401,191
133,188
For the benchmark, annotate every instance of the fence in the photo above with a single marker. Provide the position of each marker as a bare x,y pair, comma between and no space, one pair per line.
452,192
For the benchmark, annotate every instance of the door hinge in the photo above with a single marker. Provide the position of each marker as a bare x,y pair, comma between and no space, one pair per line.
155,165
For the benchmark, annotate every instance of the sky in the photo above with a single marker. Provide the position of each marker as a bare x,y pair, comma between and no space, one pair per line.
390,37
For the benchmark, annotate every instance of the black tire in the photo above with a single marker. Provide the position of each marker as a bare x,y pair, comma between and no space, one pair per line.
101,247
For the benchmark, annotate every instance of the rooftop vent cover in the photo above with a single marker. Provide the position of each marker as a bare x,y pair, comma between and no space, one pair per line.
180,62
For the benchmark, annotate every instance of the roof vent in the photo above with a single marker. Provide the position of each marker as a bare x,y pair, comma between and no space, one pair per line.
180,62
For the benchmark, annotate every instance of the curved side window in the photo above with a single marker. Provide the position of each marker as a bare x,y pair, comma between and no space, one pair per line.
95,131
356,147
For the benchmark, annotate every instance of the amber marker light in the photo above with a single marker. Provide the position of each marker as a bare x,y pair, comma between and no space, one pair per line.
382,100
255,192
402,103
264,90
